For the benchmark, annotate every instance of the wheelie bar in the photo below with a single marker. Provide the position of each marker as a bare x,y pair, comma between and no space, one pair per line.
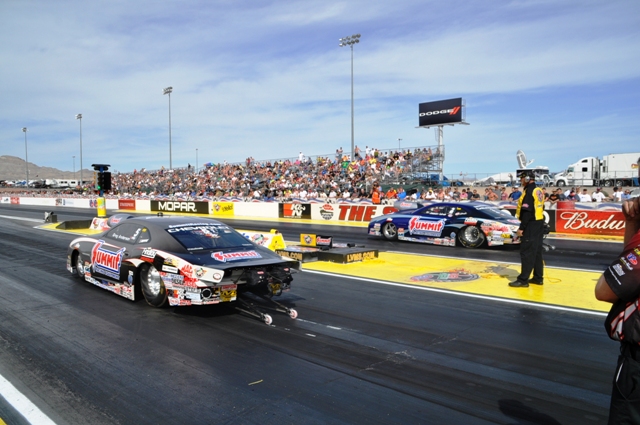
251,309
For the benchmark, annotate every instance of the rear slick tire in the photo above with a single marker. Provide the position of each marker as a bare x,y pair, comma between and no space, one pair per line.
471,237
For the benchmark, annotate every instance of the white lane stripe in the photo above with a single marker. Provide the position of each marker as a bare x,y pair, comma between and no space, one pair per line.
22,404
35,220
464,294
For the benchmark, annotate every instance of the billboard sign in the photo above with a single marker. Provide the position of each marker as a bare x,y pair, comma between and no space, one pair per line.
440,112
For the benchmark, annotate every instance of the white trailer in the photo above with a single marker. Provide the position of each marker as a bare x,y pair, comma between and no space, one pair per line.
619,169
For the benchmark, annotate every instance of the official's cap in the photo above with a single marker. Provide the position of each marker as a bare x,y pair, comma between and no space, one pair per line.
524,173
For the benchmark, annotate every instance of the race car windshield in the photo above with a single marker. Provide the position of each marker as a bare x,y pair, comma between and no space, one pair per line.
203,237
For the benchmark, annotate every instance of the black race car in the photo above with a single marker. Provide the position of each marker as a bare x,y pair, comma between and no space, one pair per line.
470,224
181,261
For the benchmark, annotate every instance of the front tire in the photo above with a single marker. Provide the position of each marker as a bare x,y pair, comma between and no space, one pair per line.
390,231
152,287
78,265
471,237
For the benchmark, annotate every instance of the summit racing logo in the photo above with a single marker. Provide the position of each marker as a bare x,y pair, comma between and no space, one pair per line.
452,111
425,227
232,256
106,262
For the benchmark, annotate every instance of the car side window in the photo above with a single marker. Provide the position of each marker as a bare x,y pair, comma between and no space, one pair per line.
437,210
460,212
129,233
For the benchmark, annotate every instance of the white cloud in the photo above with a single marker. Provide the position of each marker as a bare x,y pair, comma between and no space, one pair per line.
268,79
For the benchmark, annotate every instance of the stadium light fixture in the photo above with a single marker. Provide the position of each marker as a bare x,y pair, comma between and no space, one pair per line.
350,41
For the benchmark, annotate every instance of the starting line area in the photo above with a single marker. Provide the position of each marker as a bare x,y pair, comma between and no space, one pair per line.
562,287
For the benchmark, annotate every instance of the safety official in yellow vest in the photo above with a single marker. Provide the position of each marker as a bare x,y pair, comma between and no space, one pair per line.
530,211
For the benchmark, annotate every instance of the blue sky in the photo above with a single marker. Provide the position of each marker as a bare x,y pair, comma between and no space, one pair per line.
558,79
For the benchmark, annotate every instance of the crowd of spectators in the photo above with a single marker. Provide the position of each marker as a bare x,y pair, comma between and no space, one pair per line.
322,178
301,178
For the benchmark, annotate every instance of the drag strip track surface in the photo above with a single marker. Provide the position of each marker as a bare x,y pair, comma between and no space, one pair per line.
360,353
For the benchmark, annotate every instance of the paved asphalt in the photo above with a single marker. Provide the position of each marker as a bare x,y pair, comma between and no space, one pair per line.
361,352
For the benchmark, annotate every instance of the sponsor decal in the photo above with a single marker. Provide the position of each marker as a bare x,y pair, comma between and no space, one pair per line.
15,200
450,276
170,262
326,211
470,221
356,212
190,207
293,255
618,269
451,111
126,204
295,210
590,222
232,256
425,227
632,259
149,253
361,256
199,272
324,240
223,208
624,261
175,279
169,269
106,262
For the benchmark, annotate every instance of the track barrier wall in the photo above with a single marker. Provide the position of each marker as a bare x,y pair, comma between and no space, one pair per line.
604,219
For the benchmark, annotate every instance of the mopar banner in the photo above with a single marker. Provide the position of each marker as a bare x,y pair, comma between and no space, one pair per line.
188,207
222,208
290,210
440,112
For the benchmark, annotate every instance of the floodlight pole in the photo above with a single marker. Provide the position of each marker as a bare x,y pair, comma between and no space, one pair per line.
168,91
26,155
350,41
79,117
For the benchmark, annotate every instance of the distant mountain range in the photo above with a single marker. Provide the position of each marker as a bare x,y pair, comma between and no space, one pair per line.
13,168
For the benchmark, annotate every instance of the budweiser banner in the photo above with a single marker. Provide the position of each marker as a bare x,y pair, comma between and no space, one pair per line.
610,223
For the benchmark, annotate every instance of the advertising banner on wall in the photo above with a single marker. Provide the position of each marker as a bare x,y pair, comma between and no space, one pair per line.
609,223
360,213
184,207
222,209
440,112
126,204
294,210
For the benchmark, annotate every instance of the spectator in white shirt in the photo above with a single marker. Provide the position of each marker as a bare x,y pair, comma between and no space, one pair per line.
584,196
598,196
617,194
430,196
